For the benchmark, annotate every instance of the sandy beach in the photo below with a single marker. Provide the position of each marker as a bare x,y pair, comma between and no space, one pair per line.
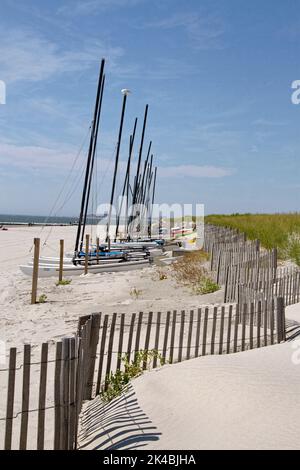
245,400
58,316
22,323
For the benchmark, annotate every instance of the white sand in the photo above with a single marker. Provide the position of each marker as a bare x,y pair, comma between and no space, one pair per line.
248,400
22,323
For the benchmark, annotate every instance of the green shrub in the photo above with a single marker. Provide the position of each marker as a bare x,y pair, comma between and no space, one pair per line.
135,293
42,299
64,282
117,382
206,286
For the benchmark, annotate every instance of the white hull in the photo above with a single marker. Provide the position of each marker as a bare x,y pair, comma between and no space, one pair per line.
71,270
69,262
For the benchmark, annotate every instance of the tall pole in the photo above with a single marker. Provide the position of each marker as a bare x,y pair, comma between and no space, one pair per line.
140,156
140,191
152,202
125,93
127,179
88,166
92,165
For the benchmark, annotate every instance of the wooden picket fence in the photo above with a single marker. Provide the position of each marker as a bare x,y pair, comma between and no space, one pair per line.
44,395
286,285
248,273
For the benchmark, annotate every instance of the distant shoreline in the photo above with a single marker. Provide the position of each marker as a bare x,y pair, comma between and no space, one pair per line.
36,224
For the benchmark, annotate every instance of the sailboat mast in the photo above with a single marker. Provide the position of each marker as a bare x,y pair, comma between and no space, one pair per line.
125,94
92,165
140,193
152,202
88,166
135,192
126,181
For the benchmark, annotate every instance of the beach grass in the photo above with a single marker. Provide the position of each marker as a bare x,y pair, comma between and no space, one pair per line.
273,230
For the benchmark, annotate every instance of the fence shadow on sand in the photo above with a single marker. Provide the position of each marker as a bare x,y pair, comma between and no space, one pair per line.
120,424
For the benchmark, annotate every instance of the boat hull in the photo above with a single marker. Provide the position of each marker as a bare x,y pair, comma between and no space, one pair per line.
71,270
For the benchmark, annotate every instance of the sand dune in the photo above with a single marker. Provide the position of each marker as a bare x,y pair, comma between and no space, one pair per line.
247,400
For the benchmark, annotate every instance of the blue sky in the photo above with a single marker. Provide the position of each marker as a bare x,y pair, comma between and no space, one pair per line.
217,76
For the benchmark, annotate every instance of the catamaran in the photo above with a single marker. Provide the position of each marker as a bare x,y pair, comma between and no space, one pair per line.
115,255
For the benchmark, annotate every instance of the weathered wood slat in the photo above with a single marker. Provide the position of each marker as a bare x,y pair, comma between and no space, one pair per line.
72,396
198,332
181,336
120,345
147,339
221,330
10,399
166,336
57,396
236,327
228,346
130,337
110,348
251,324
156,343
173,337
65,396
244,318
25,397
101,354
42,397
190,333
94,339
258,326
138,335
213,331
204,336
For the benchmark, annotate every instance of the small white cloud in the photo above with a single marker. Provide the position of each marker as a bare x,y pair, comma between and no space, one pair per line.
26,56
268,123
194,171
204,31
89,7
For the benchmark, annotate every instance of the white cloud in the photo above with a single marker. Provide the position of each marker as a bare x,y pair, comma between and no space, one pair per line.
35,157
53,159
29,57
268,123
194,171
88,7
203,31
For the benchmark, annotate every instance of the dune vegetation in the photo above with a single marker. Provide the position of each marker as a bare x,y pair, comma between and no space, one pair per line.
273,230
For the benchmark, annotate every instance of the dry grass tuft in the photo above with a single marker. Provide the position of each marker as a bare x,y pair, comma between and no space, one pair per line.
190,271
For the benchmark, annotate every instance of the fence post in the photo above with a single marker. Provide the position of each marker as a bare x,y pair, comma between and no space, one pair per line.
10,398
57,396
65,394
42,397
35,272
25,397
61,260
280,317
94,339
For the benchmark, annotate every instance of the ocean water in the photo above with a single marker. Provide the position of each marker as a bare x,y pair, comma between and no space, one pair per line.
42,219
38,219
